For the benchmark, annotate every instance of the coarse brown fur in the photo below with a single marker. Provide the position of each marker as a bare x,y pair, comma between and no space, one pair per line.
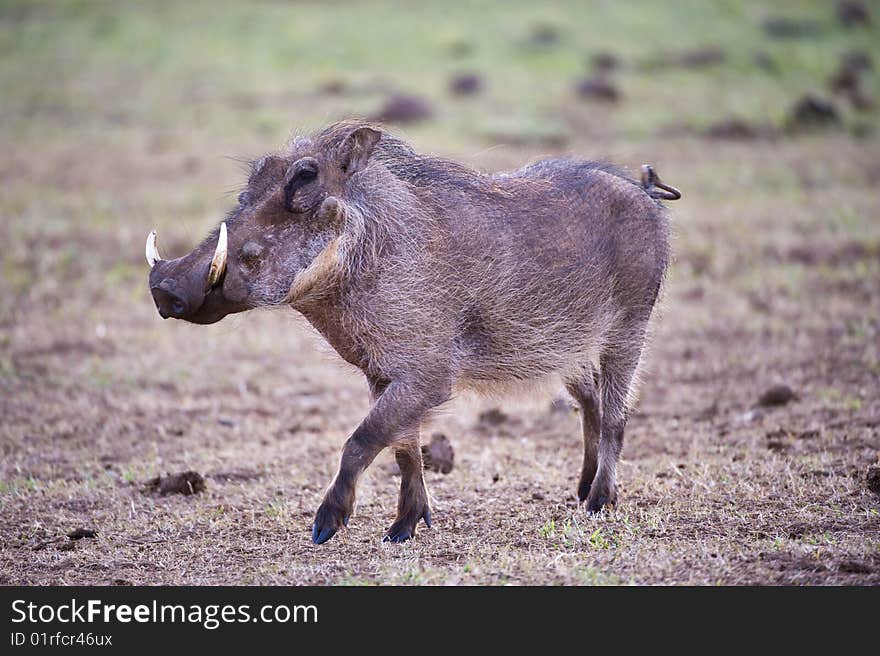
431,277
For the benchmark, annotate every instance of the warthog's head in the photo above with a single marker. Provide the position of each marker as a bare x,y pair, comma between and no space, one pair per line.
278,244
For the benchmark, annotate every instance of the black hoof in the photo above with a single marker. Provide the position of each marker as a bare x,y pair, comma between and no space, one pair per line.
328,520
600,500
585,484
401,531
398,536
584,491
595,506
321,535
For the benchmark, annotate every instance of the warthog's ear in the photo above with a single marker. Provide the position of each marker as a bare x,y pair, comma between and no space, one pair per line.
356,149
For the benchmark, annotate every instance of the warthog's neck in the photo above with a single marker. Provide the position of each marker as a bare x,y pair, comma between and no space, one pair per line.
330,317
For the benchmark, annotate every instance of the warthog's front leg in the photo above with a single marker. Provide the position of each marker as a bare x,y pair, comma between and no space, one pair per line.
396,415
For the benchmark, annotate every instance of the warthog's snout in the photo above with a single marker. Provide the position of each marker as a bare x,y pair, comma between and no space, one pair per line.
178,288
170,300
189,287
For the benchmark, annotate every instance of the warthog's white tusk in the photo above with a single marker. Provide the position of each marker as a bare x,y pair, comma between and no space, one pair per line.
152,252
218,264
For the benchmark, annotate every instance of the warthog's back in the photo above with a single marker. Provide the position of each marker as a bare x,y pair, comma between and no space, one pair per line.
505,277
551,262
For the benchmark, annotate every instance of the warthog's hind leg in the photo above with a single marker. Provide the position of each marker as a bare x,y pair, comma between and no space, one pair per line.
585,392
413,503
617,375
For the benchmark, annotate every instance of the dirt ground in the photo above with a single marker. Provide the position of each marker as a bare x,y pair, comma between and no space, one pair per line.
776,281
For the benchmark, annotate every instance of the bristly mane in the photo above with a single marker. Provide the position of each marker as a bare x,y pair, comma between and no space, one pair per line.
427,171
407,165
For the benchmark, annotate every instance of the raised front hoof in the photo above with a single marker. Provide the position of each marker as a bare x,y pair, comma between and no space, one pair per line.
328,520
405,528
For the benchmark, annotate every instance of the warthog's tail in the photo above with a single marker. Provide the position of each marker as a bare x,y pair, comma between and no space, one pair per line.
654,186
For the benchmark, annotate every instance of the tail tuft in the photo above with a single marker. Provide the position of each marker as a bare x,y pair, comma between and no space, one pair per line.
654,186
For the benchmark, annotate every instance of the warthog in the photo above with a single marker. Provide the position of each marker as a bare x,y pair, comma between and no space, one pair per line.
431,277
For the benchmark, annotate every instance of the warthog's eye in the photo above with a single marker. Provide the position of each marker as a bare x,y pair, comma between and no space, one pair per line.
300,179
299,175
306,175
243,198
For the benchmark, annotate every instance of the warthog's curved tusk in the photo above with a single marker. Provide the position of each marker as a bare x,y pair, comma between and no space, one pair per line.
218,264
152,252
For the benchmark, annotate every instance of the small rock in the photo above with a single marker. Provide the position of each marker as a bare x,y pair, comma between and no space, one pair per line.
605,61
332,87
229,423
858,61
186,483
702,57
598,87
873,480
466,84
845,80
81,533
851,13
492,417
776,395
781,27
855,567
733,128
438,454
404,109
811,112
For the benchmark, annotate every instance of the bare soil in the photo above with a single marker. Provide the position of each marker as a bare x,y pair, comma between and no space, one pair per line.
718,484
